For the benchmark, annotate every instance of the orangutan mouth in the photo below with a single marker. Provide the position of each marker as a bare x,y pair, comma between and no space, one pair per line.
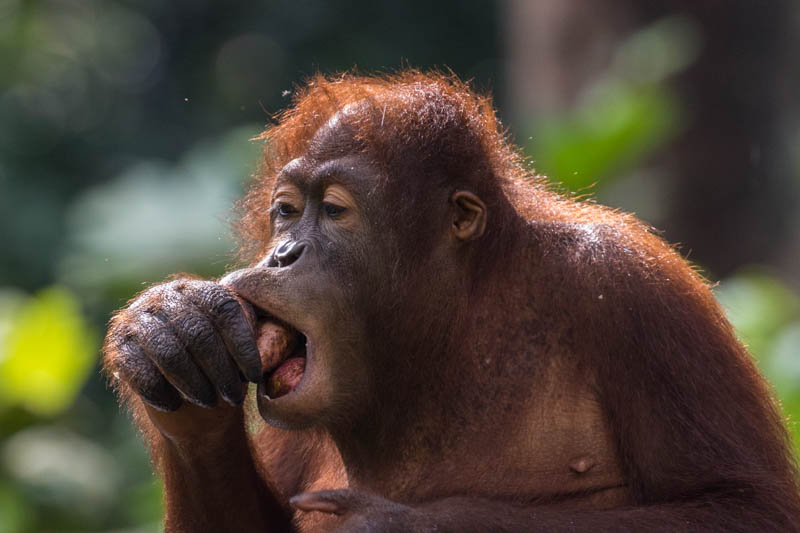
283,356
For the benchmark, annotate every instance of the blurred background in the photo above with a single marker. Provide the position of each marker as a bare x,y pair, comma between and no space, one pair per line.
124,141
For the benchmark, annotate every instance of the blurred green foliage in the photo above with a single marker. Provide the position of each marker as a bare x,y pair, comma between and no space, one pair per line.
124,132
47,351
182,216
53,477
625,117
613,131
766,315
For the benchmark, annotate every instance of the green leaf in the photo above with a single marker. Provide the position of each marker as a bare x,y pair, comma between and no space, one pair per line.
155,219
609,133
766,315
47,353
759,306
15,512
627,114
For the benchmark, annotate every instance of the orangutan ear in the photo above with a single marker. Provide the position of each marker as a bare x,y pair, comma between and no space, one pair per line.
469,221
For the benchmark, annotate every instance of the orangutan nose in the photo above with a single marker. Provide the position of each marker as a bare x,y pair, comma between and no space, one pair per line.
286,253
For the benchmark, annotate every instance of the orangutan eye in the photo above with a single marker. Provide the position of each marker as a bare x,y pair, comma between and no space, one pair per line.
333,210
286,210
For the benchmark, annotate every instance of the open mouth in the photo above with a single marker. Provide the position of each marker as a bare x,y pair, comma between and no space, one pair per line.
283,351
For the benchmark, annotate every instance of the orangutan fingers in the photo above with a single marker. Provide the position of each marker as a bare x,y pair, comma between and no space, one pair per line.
222,308
135,369
181,326
204,344
163,347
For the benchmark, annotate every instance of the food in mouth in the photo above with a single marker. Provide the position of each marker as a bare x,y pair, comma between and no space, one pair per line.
283,357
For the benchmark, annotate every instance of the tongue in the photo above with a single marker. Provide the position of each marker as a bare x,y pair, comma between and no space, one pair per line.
286,377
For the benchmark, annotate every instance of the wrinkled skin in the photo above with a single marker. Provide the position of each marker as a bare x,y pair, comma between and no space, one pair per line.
437,351
193,333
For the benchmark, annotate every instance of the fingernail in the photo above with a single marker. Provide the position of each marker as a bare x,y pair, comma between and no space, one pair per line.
208,402
235,396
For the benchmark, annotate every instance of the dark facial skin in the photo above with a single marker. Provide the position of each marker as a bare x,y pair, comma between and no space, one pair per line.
321,250
313,280
439,346
328,262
